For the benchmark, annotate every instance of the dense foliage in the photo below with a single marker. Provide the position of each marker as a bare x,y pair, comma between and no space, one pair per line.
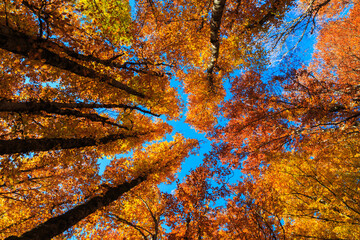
88,80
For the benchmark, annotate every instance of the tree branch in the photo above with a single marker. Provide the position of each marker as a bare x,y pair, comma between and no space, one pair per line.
136,227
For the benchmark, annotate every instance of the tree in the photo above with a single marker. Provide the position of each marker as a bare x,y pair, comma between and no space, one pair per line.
191,211
294,138
321,176
278,113
153,165
317,187
252,213
56,225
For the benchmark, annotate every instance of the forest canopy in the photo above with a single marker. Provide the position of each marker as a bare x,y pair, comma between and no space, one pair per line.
273,85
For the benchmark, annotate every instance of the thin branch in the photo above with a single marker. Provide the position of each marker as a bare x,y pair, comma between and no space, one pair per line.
136,227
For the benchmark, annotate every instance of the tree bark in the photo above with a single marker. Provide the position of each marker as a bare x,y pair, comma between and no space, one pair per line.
34,107
57,225
215,22
47,144
32,48
7,105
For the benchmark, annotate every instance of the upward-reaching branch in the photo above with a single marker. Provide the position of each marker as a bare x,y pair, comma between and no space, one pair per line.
215,22
57,225
136,227
30,47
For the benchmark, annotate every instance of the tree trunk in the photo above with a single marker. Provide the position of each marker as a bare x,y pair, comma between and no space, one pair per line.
47,144
57,225
7,105
217,12
35,107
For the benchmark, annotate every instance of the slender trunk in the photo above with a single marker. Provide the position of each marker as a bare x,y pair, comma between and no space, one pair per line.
57,225
34,107
47,144
7,105
217,12
187,229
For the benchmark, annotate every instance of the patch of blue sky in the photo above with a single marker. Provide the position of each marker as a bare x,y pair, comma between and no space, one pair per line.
133,8
301,42
193,160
